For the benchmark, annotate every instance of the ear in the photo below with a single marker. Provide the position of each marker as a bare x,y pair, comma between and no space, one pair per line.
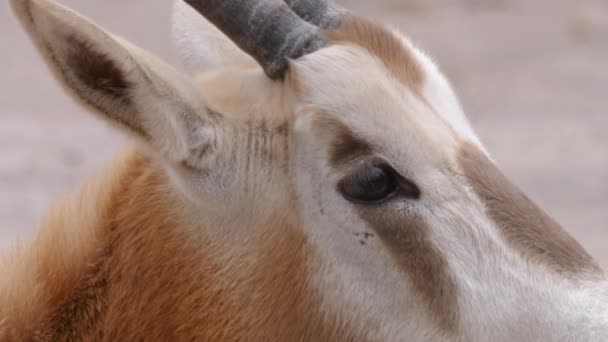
200,44
121,83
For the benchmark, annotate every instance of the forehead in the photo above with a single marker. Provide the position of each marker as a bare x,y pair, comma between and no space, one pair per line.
389,48
372,80
361,51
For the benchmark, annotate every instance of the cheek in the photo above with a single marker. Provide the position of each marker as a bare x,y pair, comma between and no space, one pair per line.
314,182
326,215
311,181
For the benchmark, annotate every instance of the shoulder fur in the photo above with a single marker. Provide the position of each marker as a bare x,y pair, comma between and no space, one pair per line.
38,276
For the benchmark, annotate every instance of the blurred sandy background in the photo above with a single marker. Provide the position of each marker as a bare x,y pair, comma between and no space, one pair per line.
532,74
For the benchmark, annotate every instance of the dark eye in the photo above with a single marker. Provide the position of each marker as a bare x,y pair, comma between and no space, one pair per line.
370,184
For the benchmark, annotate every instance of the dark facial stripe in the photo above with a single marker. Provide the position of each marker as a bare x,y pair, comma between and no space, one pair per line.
406,237
524,225
345,145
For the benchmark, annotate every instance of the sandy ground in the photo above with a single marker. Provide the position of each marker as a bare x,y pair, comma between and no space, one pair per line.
533,76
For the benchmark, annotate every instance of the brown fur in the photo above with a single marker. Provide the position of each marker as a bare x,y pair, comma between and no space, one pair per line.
382,43
525,226
118,264
346,146
40,279
406,237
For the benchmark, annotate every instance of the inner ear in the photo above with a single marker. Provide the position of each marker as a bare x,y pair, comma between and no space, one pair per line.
122,83
102,82
96,70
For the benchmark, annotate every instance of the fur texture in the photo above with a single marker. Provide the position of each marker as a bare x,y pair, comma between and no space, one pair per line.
226,222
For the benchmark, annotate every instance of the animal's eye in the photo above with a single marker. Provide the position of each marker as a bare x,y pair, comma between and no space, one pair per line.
370,184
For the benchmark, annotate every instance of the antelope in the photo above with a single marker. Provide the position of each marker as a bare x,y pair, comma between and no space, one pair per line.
315,179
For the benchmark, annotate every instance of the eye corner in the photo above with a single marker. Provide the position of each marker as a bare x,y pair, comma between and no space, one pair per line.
410,189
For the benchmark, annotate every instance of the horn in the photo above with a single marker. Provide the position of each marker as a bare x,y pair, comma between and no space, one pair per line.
268,30
321,13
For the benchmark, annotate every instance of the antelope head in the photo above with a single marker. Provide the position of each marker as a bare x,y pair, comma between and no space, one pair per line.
302,120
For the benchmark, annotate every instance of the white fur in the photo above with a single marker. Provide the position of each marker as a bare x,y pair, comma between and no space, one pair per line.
501,296
201,45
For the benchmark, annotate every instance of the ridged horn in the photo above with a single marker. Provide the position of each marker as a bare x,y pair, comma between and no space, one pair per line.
268,30
321,13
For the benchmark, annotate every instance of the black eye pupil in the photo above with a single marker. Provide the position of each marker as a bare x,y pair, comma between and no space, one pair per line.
369,184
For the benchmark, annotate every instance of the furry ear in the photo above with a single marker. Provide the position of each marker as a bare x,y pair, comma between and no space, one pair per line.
120,82
200,44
